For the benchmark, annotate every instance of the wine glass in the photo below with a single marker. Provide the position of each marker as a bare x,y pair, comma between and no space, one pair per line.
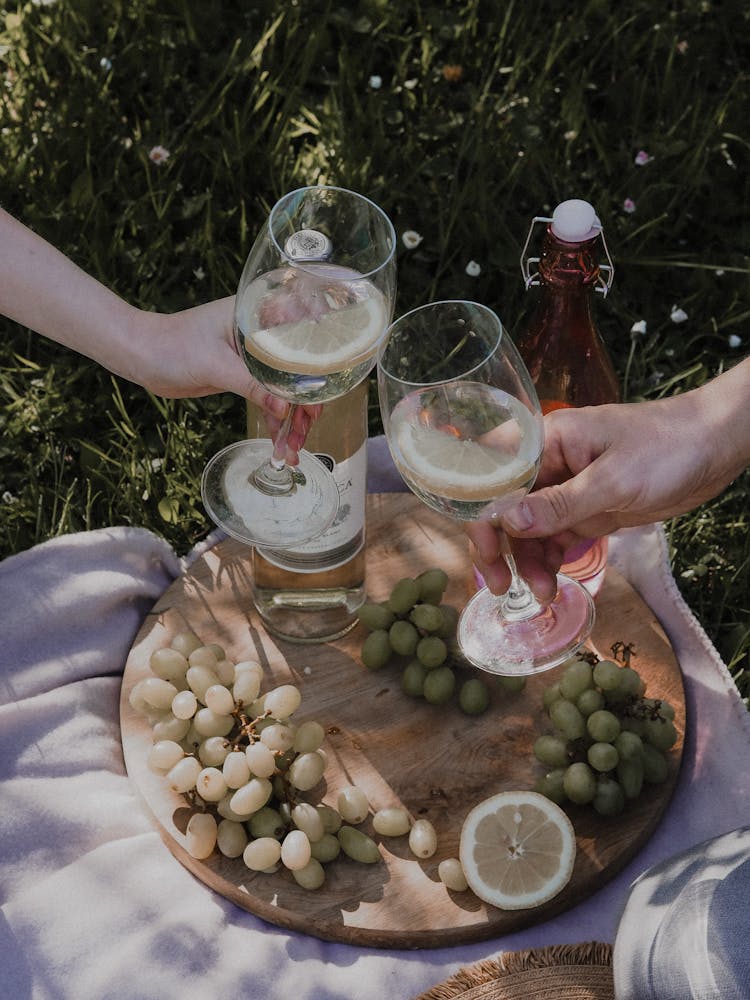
464,427
312,308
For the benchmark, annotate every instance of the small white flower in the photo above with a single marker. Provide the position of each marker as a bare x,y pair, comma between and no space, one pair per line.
156,464
410,84
570,135
678,315
105,64
734,340
642,158
628,206
376,82
9,498
411,239
719,272
638,327
473,269
199,274
158,154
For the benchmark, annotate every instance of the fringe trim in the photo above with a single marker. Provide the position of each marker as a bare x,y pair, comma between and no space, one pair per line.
513,963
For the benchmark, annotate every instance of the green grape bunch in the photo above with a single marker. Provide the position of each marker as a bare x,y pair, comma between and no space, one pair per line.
414,628
609,740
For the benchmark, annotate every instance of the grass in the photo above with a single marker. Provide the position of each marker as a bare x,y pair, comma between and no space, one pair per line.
487,114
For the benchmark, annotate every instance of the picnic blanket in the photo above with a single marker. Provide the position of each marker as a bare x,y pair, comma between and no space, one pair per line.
92,904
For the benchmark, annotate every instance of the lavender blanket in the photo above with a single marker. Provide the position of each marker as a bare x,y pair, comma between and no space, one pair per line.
92,904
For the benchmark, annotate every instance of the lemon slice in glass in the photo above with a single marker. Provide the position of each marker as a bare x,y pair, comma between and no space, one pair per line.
340,338
517,850
462,469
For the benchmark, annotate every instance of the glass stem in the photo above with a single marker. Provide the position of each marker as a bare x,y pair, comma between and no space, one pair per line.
518,602
274,477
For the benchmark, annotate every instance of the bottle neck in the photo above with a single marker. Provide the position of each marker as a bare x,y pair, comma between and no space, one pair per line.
571,267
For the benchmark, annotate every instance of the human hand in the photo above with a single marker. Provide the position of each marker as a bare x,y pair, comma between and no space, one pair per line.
193,354
613,466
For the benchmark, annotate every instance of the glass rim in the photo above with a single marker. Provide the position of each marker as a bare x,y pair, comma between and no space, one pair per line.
331,187
435,305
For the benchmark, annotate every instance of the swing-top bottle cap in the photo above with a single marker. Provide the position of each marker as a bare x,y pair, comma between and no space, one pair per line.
308,244
574,221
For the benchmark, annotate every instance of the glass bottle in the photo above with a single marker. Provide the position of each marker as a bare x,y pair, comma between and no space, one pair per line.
562,346
312,593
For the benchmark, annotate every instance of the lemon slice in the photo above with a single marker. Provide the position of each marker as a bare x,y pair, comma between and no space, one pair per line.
517,850
341,338
462,469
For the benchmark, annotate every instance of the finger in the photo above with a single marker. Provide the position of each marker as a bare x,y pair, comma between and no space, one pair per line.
485,541
538,561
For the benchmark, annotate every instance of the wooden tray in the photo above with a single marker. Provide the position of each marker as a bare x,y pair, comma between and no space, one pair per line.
435,761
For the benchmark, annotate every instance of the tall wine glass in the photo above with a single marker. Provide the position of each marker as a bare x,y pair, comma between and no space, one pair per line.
465,430
313,306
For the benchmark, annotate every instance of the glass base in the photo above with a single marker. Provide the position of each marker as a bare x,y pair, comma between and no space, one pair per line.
529,646
252,516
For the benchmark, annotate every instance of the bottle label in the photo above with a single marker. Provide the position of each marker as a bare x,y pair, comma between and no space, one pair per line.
345,537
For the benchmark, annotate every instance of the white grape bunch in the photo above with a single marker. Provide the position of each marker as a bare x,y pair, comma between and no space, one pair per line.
243,764
609,741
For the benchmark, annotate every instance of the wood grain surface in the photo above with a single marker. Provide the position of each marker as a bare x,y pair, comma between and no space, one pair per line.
435,761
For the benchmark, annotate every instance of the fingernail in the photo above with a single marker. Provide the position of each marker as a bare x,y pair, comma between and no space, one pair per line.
519,518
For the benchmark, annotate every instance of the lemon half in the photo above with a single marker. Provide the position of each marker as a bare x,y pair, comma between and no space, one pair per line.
517,850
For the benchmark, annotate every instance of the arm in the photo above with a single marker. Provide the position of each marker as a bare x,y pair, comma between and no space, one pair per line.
608,467
189,353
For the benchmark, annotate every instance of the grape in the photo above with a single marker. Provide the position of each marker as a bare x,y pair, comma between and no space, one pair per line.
307,818
246,685
602,756
311,876
606,675
213,751
427,617
278,736
630,682
251,796
170,728
185,643
376,616
203,656
183,776
474,696
404,596
210,784
628,745
306,771
219,699
208,723
551,695
660,733
579,783
164,755
282,702
200,679
551,750
609,799
262,854
200,835
431,651
157,693
450,620
330,817
376,649
603,726
266,822
439,685
403,637
655,766
225,672
567,719
236,769
391,822
432,584
666,711
575,680
630,777
184,705
309,737
326,849
589,701
422,839
231,838
451,874
412,679
358,846
551,785
169,664
352,804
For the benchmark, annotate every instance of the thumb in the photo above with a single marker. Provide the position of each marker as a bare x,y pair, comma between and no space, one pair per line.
555,509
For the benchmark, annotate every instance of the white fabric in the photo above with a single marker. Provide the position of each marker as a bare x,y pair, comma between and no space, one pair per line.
93,906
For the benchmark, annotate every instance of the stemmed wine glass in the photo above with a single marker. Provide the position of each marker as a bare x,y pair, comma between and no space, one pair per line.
312,308
465,430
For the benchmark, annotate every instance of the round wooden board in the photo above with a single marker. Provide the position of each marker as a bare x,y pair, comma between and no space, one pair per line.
435,761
